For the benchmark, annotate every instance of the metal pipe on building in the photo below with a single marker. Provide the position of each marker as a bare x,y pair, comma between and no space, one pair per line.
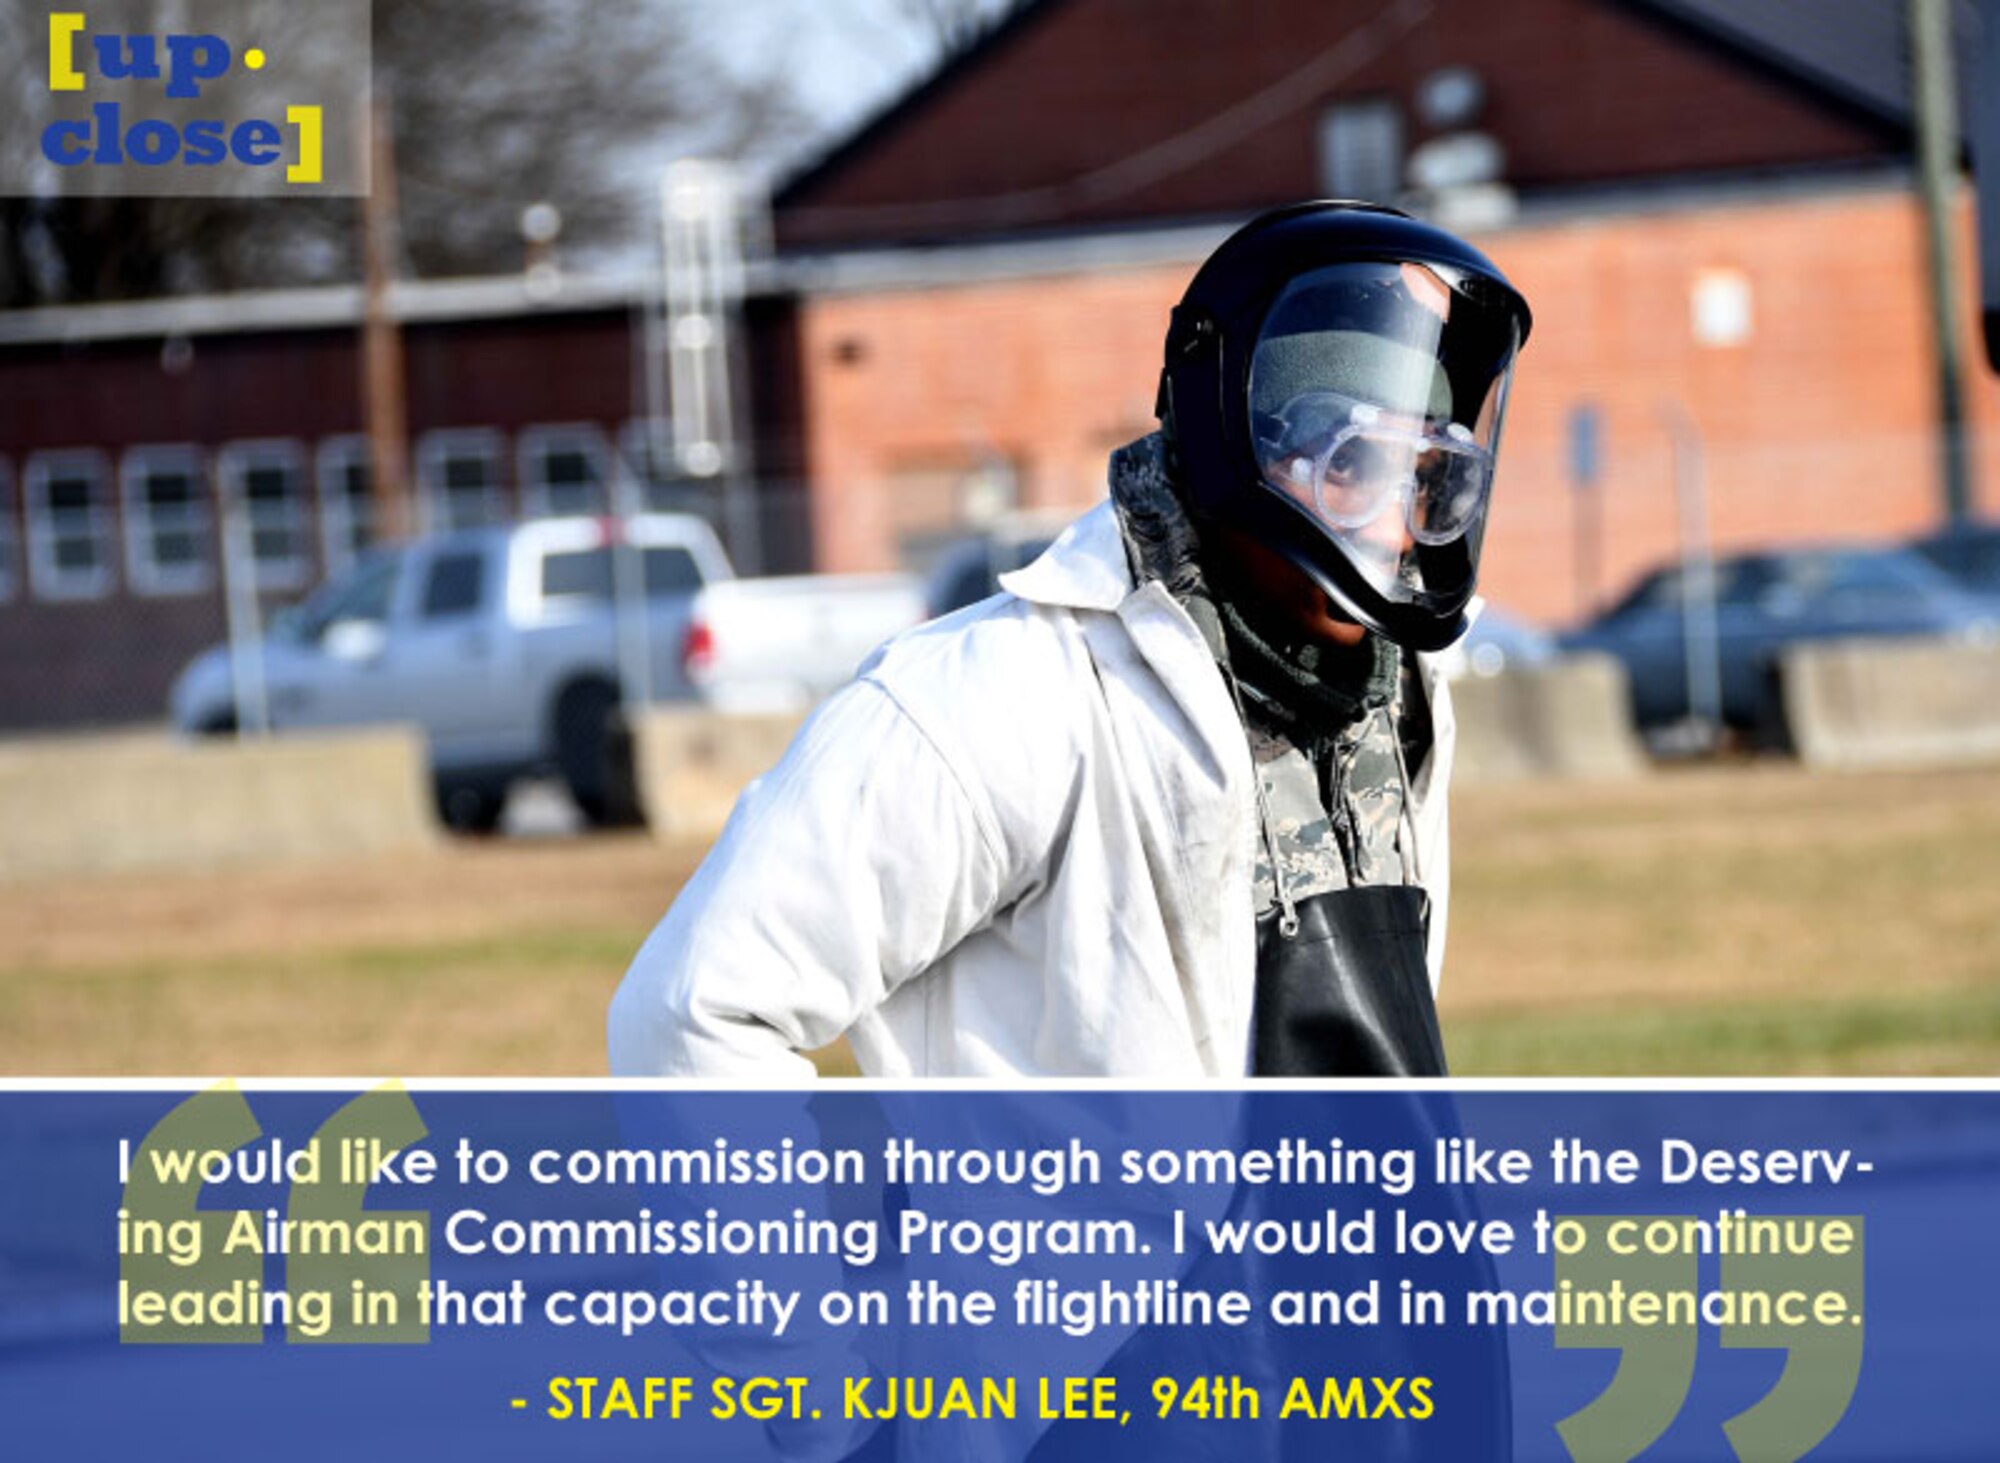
1699,621
243,615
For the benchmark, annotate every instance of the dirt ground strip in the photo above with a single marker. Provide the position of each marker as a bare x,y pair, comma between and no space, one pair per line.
1747,918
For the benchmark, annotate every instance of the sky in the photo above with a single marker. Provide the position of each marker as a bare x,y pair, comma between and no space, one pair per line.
847,57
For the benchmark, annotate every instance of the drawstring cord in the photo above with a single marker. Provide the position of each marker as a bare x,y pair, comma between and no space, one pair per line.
1406,821
1339,811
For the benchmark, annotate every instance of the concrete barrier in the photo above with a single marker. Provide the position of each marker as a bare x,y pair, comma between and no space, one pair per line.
1892,703
1569,719
138,801
690,765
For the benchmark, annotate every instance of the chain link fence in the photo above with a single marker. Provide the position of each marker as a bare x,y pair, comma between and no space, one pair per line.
117,569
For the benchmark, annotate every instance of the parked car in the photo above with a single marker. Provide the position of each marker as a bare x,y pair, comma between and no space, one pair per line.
503,646
1765,602
781,644
500,644
1968,552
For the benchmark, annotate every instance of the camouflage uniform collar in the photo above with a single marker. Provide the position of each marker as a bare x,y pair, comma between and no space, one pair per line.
1160,539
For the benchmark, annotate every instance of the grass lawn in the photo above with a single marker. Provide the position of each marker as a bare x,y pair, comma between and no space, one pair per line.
1728,921
1737,920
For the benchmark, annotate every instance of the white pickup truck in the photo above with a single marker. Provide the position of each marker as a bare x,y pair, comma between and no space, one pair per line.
777,645
504,646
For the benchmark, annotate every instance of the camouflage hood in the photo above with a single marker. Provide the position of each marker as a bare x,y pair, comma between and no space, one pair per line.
1313,690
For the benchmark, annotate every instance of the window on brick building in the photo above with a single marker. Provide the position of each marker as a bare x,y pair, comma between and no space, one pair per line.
268,480
565,470
67,495
346,500
1361,151
169,526
458,479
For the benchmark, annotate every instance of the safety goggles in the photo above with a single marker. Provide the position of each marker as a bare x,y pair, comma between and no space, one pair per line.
1349,459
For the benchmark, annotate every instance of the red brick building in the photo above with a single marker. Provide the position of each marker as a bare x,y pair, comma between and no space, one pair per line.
1706,201
124,428
1711,217
1082,113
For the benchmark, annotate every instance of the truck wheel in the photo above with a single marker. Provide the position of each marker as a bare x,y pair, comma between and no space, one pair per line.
586,717
472,808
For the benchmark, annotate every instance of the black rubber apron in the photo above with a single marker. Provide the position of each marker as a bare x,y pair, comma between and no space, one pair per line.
1348,994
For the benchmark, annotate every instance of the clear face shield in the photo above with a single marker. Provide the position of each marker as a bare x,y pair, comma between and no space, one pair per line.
1376,394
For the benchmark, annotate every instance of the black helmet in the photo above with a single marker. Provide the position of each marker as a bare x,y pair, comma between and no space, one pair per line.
1333,359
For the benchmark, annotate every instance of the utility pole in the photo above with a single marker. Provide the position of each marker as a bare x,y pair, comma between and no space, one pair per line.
1986,168
1933,86
381,338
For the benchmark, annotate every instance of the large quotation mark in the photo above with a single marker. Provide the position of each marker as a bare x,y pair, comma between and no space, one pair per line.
193,1252
1823,1365
1819,1329
376,1296
1656,1367
171,1247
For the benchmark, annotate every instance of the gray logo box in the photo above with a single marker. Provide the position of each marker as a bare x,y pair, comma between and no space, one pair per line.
184,98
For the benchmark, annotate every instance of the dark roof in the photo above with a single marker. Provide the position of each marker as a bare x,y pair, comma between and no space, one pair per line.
1853,53
1018,17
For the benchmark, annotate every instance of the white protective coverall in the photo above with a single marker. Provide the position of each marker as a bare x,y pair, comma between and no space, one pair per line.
1020,844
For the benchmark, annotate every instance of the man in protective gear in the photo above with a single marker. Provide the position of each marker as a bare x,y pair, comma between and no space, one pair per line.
1173,804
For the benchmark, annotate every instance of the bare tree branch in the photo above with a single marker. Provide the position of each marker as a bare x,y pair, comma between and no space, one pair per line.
498,105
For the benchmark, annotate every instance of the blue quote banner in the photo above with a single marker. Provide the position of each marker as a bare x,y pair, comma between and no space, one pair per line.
846,1272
